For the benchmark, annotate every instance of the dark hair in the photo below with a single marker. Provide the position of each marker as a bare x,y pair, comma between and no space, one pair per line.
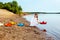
35,13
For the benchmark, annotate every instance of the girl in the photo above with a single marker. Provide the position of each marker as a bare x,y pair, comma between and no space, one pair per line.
34,20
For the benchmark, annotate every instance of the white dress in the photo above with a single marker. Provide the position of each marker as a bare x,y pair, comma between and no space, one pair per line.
33,22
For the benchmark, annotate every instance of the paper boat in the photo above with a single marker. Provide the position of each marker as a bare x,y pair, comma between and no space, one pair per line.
43,22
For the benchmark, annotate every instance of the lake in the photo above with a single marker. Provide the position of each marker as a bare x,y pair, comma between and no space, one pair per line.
52,26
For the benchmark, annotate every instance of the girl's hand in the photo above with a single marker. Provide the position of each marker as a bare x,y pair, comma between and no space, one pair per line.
38,21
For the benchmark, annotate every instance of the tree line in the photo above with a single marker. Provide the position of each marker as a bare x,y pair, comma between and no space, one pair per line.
11,6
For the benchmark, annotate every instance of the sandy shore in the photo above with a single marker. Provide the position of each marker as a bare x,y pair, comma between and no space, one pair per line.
19,33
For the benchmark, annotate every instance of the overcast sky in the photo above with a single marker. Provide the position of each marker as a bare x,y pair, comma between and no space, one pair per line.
38,5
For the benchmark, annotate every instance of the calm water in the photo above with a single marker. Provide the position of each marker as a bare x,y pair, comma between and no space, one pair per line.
52,26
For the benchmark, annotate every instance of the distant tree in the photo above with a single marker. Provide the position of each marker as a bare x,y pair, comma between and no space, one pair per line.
1,5
14,3
20,8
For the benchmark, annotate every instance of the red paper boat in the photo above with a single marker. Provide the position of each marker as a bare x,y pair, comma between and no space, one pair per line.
8,24
43,22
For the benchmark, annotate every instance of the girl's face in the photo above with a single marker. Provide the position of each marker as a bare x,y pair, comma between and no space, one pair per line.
36,16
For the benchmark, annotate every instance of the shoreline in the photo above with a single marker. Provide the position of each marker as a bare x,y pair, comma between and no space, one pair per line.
16,32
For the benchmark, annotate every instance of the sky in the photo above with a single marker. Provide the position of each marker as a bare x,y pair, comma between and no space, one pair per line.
38,5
